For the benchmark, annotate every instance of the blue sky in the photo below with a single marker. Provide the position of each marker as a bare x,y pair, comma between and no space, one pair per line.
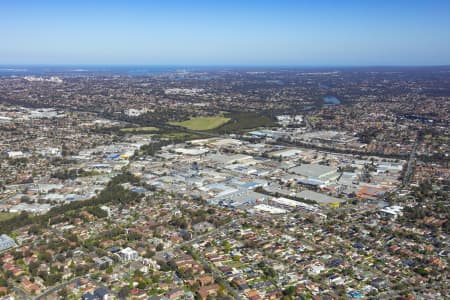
232,32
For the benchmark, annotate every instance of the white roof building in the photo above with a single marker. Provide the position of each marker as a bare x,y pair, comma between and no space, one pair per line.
286,153
316,171
128,254
15,154
191,151
6,242
285,202
392,211
269,209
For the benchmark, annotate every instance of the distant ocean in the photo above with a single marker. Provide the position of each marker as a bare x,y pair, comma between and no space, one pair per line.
88,70
330,100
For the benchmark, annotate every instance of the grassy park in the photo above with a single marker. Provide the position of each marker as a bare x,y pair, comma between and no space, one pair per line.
244,121
5,216
202,123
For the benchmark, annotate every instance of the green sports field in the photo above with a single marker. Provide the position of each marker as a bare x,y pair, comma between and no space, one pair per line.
5,216
202,123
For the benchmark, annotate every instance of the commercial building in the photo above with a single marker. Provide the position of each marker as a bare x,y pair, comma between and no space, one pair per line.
6,242
291,204
314,170
241,198
286,153
322,173
320,198
128,254
269,209
392,211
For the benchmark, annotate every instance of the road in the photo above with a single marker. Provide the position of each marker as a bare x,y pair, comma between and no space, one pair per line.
412,289
20,293
58,287
308,124
203,236
410,166
216,272
64,284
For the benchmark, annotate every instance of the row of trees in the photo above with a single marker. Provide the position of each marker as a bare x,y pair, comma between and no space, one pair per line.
113,193
72,174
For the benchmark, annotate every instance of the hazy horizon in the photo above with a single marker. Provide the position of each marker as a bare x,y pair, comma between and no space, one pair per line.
227,33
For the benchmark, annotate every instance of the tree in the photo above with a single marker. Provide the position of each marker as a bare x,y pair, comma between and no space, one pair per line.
142,285
289,291
3,282
63,293
124,292
25,199
149,254
45,256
